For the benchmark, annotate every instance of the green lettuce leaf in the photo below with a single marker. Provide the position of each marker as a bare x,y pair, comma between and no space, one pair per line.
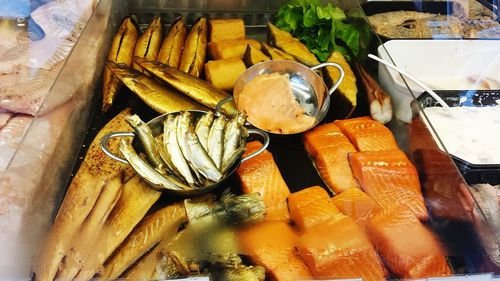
322,28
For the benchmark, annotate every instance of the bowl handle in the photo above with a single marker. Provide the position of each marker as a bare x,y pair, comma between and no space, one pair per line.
336,65
218,106
265,144
105,141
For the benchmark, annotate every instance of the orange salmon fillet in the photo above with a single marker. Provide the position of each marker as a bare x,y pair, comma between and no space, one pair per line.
408,248
261,174
356,204
339,249
311,206
328,147
388,177
272,245
367,134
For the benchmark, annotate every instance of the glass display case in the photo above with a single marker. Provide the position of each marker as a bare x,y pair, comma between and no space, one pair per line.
452,46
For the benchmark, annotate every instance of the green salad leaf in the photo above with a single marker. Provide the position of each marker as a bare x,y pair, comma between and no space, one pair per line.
322,28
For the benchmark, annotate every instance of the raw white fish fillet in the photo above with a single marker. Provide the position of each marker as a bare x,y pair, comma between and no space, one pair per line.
5,117
60,18
25,92
10,136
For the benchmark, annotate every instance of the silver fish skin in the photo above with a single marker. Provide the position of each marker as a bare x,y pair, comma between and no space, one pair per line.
200,158
203,128
183,124
147,140
215,140
233,136
172,146
167,158
157,180
233,158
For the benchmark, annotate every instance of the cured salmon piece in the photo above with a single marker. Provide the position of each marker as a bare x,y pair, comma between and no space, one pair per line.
388,177
356,204
340,249
311,206
261,174
328,147
367,134
272,245
408,248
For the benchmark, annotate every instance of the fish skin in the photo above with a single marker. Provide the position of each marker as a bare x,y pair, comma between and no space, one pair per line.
161,225
196,88
122,48
215,142
203,128
159,98
157,181
201,160
183,123
146,138
195,49
171,48
232,136
233,158
275,53
148,44
291,45
172,146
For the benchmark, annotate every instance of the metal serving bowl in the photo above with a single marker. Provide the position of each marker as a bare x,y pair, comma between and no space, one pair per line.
308,87
156,126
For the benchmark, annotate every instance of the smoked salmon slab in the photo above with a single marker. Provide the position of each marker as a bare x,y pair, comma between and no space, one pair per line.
356,204
261,174
328,147
339,249
311,206
408,248
389,177
367,134
272,245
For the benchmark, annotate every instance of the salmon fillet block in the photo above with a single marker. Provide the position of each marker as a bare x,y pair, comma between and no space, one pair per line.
272,245
408,248
328,147
311,206
261,174
356,204
339,249
388,177
367,134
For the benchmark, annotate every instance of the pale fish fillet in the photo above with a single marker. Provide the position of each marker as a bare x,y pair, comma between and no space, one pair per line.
60,18
5,117
45,54
10,136
25,92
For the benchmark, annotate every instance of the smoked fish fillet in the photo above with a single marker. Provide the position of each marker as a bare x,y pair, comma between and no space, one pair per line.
261,174
356,204
367,134
311,206
272,245
408,248
339,249
388,177
328,147
96,171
